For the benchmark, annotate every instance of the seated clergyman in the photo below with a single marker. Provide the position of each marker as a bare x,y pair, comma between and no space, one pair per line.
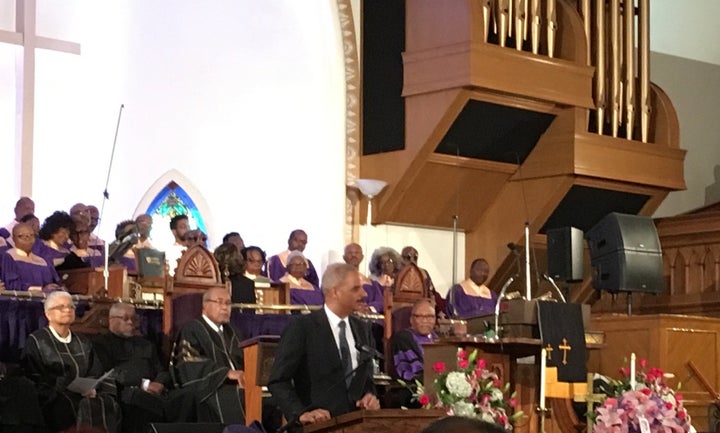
143,384
53,358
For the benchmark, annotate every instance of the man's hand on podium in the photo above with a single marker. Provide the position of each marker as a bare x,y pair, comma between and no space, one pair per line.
369,402
314,416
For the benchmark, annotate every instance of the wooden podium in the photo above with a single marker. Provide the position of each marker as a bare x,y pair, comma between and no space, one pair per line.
259,354
378,421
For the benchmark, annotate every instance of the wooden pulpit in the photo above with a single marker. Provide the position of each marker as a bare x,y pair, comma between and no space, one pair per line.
91,281
259,354
378,421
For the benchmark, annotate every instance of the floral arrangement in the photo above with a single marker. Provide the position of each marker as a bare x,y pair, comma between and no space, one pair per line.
472,391
651,407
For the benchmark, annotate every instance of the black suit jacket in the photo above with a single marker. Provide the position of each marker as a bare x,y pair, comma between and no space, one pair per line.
308,372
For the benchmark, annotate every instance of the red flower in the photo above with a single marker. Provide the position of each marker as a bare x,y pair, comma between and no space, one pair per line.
668,405
610,402
485,399
678,397
681,414
502,419
462,354
463,363
439,367
512,402
651,377
497,383
643,363
481,363
625,371
646,391
424,400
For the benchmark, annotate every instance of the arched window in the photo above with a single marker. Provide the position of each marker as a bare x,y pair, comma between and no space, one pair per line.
172,200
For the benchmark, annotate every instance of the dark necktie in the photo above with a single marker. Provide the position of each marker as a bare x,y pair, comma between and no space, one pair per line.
345,354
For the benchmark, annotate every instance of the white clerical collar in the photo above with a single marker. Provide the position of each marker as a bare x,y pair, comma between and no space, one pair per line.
65,340
212,324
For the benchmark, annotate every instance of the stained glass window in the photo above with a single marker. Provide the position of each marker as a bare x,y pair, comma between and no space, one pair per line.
171,201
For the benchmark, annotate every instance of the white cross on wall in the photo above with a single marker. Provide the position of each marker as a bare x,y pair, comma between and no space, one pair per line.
26,36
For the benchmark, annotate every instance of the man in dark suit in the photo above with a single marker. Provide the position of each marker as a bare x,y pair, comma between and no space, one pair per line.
318,372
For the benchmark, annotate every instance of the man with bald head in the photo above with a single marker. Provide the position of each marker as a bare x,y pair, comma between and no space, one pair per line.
216,375
24,206
21,269
277,264
53,357
319,370
353,255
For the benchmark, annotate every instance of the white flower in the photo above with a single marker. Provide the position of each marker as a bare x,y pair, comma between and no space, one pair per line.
463,408
487,417
496,395
458,385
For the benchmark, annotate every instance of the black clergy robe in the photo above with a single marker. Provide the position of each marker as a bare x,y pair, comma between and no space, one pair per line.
52,365
134,359
204,369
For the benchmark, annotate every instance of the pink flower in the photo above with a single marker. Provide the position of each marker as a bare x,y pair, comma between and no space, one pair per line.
424,400
643,363
646,391
678,397
462,354
625,371
481,363
513,402
681,414
668,405
502,419
485,399
463,363
439,367
610,402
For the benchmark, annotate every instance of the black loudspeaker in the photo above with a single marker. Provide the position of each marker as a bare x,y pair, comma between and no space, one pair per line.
625,254
565,253
181,427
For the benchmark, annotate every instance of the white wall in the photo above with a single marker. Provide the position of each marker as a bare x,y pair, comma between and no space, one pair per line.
244,98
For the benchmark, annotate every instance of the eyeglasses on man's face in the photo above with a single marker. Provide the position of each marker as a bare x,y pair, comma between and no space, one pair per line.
424,316
66,307
221,302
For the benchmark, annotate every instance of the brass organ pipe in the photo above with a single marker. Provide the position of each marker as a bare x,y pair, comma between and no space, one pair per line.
600,96
535,25
629,16
510,18
551,26
520,22
621,63
615,64
644,36
587,23
486,19
504,22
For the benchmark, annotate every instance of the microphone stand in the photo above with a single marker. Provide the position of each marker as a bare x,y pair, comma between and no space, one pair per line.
295,421
497,305
550,280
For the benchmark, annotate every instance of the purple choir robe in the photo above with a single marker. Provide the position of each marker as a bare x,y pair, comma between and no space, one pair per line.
301,293
53,256
375,294
20,271
276,269
96,243
460,304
